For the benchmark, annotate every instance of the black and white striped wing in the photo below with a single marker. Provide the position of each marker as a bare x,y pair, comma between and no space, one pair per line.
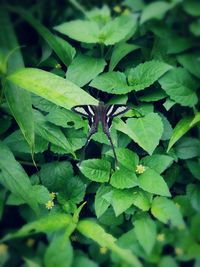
115,110
86,111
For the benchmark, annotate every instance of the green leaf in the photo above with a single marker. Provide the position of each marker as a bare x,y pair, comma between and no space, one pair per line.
182,127
191,62
80,30
15,178
124,178
180,86
145,230
112,82
47,224
92,230
14,94
187,148
56,175
119,52
158,163
84,68
118,29
193,193
97,170
192,7
82,260
195,28
167,261
121,200
146,74
141,199
16,142
155,10
141,129
167,212
101,204
194,167
152,182
126,158
59,252
61,47
112,32
51,132
153,94
52,87
167,131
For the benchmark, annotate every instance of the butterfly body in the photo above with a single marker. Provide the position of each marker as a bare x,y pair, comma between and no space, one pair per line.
101,113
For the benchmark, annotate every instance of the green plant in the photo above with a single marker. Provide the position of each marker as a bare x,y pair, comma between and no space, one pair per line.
146,213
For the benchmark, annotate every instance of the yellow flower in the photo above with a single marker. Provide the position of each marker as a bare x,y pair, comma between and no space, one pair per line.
49,205
160,237
117,9
58,66
140,169
52,195
178,251
3,249
103,250
126,11
30,242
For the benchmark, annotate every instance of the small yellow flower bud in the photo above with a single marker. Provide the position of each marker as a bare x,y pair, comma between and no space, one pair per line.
3,249
49,205
117,9
140,169
160,237
126,11
52,195
178,251
30,242
58,66
103,250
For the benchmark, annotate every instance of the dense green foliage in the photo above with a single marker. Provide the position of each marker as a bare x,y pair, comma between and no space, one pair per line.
62,207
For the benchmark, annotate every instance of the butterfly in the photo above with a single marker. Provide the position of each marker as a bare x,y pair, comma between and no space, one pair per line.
101,113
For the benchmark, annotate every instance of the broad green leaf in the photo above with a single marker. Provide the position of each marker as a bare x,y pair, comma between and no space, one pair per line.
109,217
97,170
182,127
52,87
65,118
61,47
145,230
51,132
92,230
101,204
119,52
152,95
146,74
126,158
193,193
141,199
191,62
124,178
141,129
80,30
187,148
111,82
47,224
195,28
194,167
192,7
152,182
16,142
167,131
180,86
56,175
84,68
158,163
73,191
121,200
166,211
15,178
82,260
59,252
118,29
167,261
14,94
